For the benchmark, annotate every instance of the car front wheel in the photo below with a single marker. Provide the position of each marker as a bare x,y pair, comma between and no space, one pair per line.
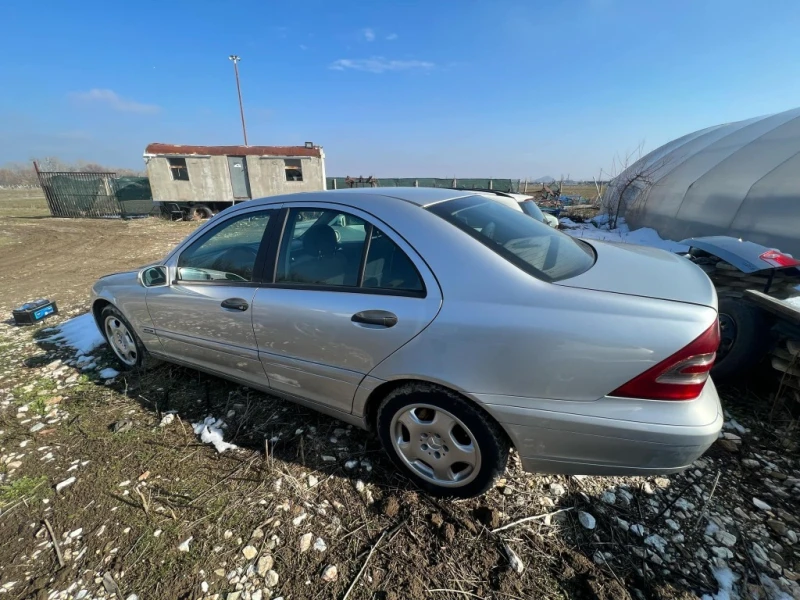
445,444
122,339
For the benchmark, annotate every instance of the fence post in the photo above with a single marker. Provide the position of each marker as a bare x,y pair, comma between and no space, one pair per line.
491,187
526,187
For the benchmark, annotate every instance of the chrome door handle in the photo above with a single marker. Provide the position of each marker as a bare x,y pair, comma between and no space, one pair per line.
375,317
235,304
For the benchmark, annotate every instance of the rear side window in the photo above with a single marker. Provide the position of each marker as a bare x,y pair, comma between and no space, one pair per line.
529,244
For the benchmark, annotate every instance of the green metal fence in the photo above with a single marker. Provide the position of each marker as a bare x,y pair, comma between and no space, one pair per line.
95,195
501,185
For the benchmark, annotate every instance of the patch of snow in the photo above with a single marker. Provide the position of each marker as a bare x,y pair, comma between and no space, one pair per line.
80,333
598,229
725,579
210,432
108,373
793,301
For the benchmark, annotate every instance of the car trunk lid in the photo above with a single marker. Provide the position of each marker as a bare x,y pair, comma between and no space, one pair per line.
643,271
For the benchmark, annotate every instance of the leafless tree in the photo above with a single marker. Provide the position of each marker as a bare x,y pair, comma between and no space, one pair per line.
631,180
22,175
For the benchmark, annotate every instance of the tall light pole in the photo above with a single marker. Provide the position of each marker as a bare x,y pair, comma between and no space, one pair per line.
236,60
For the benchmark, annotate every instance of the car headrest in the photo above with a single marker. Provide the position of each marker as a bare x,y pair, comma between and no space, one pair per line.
320,240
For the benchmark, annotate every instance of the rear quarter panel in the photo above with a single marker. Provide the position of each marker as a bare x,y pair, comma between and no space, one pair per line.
500,331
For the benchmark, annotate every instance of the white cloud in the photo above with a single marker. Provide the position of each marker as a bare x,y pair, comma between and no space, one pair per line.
392,37
379,64
368,34
113,100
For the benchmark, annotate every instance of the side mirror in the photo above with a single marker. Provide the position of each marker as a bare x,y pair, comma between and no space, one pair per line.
154,276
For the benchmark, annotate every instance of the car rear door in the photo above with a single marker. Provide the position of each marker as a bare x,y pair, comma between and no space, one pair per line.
204,317
334,310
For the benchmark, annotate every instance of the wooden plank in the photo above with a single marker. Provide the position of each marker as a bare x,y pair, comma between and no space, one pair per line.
773,305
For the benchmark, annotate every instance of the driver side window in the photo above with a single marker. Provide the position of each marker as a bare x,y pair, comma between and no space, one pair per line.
227,252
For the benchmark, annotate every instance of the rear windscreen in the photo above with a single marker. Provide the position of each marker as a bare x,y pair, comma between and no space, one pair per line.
531,245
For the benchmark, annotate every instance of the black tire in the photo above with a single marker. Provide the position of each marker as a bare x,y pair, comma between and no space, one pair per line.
111,312
486,434
199,212
746,338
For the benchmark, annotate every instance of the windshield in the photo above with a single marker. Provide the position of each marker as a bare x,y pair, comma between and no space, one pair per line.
531,245
529,208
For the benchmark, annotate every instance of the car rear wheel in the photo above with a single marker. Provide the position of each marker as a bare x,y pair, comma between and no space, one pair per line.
443,443
745,338
122,340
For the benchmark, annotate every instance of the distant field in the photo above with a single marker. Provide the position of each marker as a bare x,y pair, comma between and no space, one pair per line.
23,203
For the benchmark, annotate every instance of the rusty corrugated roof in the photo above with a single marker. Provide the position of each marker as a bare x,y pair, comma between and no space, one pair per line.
158,148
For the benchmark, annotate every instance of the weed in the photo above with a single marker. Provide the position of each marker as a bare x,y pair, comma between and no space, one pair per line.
20,488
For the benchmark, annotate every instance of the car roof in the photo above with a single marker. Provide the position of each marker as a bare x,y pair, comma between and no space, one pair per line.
420,196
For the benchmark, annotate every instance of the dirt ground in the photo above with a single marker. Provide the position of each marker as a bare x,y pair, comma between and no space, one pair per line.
61,258
110,466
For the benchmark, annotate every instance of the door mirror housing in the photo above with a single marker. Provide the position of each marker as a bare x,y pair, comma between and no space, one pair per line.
154,276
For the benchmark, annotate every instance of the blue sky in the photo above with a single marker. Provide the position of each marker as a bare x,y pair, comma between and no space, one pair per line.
496,88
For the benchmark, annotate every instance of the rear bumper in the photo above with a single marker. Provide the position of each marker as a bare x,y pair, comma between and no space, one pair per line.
574,443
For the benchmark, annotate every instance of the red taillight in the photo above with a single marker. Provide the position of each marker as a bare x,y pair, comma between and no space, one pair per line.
778,259
679,377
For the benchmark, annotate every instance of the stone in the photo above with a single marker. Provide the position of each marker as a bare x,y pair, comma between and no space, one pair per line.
249,552
312,481
320,545
587,520
264,564
647,488
725,538
257,595
64,484
514,561
557,489
271,579
257,534
305,542
761,505
777,526
728,445
330,573
184,545
637,529
722,552
228,534
750,463
657,542
233,595
672,525
608,497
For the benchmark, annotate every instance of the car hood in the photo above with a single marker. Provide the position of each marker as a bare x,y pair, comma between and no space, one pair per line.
643,271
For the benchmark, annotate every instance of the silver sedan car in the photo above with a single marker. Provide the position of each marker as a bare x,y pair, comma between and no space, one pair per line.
451,325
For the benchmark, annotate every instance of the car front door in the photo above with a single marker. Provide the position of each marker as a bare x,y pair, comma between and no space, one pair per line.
347,292
204,316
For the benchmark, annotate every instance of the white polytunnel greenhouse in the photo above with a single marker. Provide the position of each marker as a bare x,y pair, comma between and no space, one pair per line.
740,179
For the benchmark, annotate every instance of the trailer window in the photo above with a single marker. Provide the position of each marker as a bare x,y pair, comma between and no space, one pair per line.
178,168
293,168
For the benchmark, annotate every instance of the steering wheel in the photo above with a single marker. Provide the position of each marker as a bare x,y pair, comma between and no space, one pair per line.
233,259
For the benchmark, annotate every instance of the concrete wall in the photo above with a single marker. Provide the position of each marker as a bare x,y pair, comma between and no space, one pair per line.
209,179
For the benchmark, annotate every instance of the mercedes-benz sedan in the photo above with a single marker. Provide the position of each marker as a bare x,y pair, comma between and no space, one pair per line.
453,326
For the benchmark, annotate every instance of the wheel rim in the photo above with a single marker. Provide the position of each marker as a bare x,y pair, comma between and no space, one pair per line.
121,341
727,335
435,445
